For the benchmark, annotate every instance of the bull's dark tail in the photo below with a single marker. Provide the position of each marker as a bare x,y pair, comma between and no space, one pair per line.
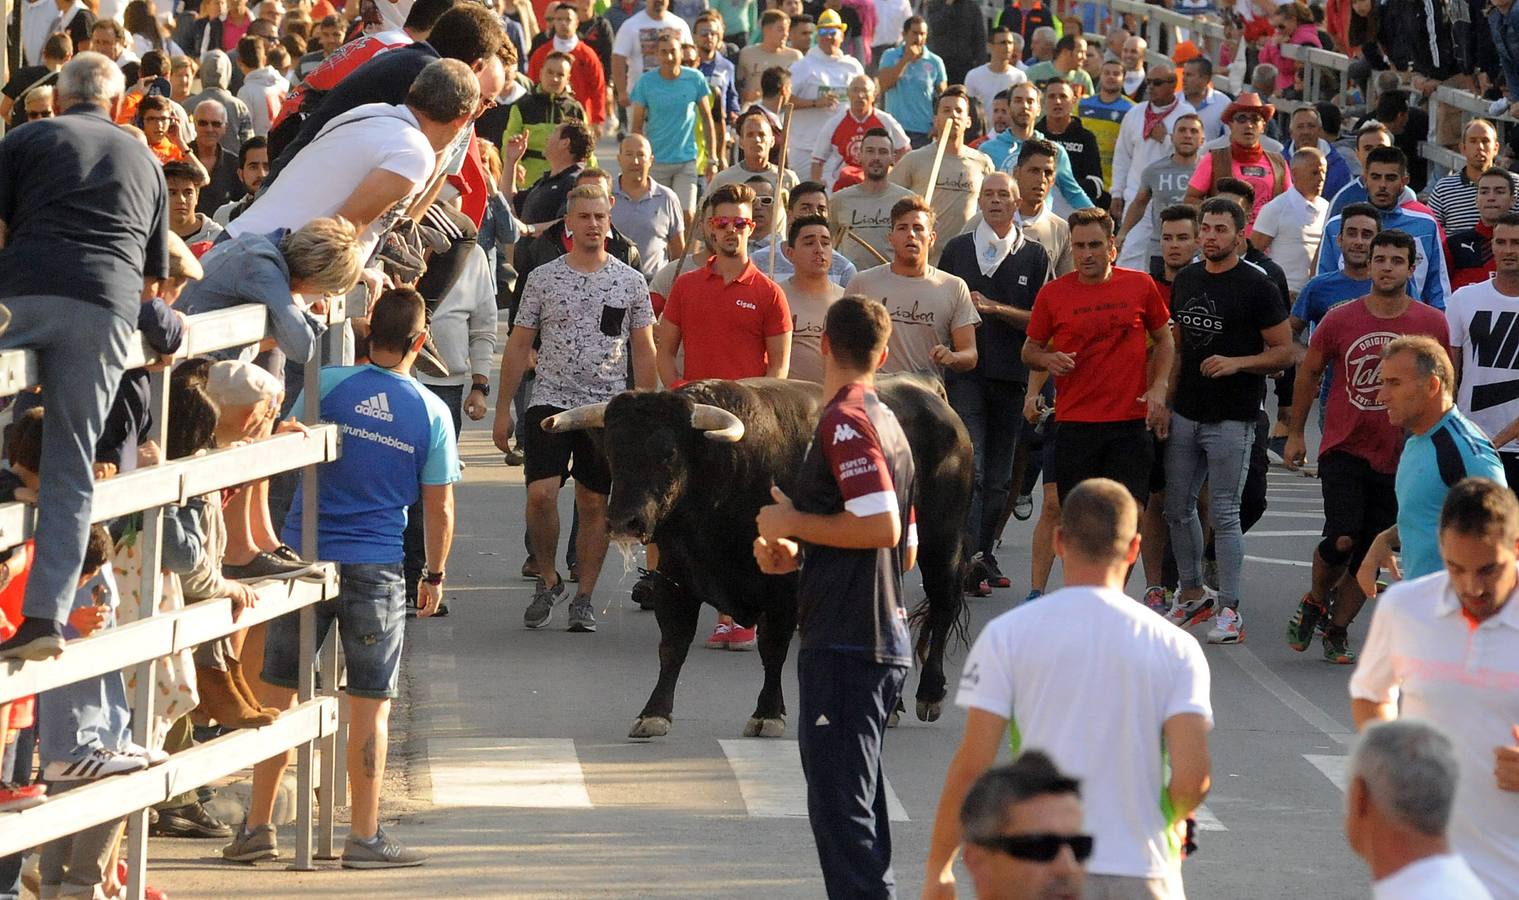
956,618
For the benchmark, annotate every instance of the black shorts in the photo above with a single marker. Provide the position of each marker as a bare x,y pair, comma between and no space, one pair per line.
1359,502
1122,451
573,453
1158,469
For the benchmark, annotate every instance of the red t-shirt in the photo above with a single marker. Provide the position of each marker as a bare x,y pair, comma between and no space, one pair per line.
22,709
723,327
1104,326
1351,340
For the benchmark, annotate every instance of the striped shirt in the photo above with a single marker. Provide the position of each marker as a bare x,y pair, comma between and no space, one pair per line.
1454,201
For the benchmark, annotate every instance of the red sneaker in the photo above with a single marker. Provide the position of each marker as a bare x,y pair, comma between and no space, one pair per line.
719,638
14,797
741,638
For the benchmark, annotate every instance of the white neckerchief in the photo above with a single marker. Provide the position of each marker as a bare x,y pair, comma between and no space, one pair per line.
992,250
565,45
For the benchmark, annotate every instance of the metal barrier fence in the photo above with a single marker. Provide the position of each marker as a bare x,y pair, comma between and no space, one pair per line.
156,635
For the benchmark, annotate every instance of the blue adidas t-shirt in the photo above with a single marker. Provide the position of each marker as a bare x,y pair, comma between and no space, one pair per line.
397,436
1431,463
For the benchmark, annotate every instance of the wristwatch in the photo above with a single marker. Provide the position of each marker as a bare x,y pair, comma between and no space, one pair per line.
484,387
431,577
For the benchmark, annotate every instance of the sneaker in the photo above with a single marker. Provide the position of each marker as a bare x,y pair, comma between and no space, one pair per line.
1157,599
287,553
35,639
741,638
1185,615
1310,613
1228,627
379,852
189,821
99,763
1033,594
994,576
582,615
251,846
154,757
1023,507
266,567
1337,647
541,610
16,797
718,640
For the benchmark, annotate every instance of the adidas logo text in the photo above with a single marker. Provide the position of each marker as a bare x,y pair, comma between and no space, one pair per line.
376,407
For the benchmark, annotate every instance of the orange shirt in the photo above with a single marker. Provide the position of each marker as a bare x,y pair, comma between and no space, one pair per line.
166,151
22,709
723,327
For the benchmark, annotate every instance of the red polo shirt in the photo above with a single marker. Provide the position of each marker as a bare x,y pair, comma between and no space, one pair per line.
723,327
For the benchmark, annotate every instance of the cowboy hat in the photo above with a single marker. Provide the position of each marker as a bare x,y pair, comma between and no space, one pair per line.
1249,103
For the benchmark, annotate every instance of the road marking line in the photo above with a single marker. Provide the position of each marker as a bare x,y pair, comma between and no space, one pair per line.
1281,562
1206,820
1305,533
769,774
439,662
1306,709
442,692
1280,514
1335,768
528,773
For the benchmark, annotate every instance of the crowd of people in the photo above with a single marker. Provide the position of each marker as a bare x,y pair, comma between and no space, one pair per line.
1108,255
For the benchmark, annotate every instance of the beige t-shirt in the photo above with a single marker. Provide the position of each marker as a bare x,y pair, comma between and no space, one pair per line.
737,174
924,312
807,314
754,59
955,190
866,215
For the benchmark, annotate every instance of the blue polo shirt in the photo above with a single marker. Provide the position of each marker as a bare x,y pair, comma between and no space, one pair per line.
1431,462
670,112
397,436
910,100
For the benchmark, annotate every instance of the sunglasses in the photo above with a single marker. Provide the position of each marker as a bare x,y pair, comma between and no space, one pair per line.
764,201
202,123
1160,82
832,31
723,223
39,114
1040,847
1246,118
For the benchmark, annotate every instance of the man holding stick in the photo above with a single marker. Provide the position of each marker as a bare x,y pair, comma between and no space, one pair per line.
947,174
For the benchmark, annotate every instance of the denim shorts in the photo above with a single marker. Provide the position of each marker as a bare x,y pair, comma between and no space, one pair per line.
370,610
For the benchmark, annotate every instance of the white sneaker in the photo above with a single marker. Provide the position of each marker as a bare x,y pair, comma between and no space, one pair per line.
1228,627
153,755
1185,615
98,764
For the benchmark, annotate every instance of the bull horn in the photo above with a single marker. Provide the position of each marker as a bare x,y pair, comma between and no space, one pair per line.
717,423
592,415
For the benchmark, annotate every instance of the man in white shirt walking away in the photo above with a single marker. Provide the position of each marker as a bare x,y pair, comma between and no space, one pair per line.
1291,225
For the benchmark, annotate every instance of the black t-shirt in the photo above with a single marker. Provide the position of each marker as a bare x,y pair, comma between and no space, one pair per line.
545,200
22,83
1222,315
850,601
999,343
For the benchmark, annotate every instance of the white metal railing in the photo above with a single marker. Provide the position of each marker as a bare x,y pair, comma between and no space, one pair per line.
154,636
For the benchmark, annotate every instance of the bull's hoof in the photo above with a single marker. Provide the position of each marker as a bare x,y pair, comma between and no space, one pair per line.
765,728
894,718
929,712
650,727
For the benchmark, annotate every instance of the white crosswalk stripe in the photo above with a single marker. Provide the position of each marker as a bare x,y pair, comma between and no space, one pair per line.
1335,768
535,773
770,778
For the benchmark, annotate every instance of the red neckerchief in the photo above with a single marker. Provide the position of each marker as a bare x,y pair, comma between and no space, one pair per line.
1247,155
1153,115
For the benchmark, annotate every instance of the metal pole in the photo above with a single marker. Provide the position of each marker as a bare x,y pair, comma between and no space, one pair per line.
327,786
305,755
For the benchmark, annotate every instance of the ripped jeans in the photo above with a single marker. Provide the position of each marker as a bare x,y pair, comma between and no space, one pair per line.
370,609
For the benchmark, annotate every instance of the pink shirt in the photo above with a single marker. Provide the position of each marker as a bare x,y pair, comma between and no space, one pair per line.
1257,175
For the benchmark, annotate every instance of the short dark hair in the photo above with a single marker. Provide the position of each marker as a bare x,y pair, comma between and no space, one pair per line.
250,52
1202,64
1092,215
806,187
1509,219
1391,105
910,21
58,46
186,170
1479,507
773,79
740,194
1037,147
1222,206
878,133
857,329
983,814
250,145
1099,519
1181,212
1503,173
398,316
154,103
580,138
1361,210
952,92
1330,118
1385,155
771,16
800,222
910,204
1235,187
154,63
23,440
97,549
1394,237
467,32
803,19
1066,42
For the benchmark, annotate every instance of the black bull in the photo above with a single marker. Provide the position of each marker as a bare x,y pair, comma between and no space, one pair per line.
691,469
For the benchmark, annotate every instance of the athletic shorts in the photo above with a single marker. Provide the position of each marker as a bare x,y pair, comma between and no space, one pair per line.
1359,502
571,454
1122,451
680,178
370,609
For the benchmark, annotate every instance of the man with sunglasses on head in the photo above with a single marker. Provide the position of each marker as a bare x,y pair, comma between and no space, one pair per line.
1022,827
1147,690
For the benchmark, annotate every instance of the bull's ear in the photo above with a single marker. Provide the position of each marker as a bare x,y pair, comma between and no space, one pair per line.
717,424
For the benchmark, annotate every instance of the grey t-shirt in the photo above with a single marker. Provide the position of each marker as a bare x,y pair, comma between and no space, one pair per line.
1167,182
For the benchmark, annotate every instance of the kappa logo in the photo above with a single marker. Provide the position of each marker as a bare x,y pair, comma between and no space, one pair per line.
844,432
376,407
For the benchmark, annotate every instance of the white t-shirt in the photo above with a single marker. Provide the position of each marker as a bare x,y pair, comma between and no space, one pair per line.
320,179
1480,319
812,76
891,15
1136,671
637,41
1422,654
985,85
1296,227
1431,878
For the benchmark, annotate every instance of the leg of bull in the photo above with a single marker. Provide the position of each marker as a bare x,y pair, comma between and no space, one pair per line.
775,630
940,562
677,614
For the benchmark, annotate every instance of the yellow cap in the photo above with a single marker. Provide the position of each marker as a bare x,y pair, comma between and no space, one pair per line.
830,19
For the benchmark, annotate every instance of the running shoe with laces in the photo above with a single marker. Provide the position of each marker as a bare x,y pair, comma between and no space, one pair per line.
253,845
1033,594
1337,647
1157,599
718,639
541,609
1310,613
379,852
1185,615
582,615
994,576
741,638
1228,627
98,763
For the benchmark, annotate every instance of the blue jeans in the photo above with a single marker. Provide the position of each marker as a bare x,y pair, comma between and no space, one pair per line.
992,411
76,718
1220,453
370,609
80,349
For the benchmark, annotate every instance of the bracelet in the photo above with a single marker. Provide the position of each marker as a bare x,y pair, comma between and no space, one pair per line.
431,577
484,387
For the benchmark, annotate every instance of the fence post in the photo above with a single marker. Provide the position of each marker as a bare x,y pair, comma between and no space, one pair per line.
305,755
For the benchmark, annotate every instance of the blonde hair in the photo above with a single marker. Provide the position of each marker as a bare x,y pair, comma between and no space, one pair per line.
325,254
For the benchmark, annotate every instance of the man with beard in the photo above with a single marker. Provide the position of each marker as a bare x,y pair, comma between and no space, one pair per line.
1023,101
252,169
836,158
1163,184
861,215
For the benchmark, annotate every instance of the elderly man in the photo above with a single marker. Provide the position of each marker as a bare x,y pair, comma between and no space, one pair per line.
1403,779
818,81
1144,137
1307,132
215,76
836,158
210,119
1012,818
83,232
1454,197
1132,55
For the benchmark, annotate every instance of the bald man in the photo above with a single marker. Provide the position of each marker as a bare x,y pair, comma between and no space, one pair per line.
646,212
1454,197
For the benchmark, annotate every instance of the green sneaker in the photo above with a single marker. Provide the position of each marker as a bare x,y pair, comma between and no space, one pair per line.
1337,647
1300,628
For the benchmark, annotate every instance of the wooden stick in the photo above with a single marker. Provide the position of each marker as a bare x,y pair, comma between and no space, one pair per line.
778,204
849,233
933,174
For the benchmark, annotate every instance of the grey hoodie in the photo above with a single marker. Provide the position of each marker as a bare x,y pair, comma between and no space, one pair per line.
215,75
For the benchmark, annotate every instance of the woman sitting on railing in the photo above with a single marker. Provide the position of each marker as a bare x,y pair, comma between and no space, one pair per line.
1294,25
